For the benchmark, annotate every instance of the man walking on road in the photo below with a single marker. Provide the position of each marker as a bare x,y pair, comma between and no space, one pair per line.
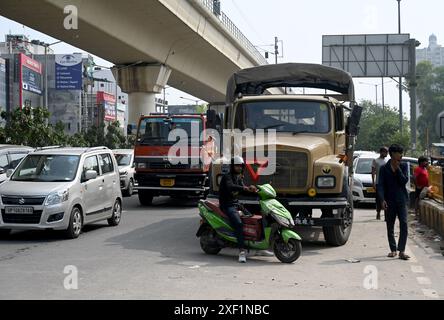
393,178
376,166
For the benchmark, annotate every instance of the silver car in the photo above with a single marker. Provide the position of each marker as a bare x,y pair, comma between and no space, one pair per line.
61,189
125,161
10,157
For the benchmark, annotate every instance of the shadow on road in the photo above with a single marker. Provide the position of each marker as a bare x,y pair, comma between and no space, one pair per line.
176,241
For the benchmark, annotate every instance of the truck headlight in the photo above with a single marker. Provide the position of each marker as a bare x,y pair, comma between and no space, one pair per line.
325,182
56,198
141,165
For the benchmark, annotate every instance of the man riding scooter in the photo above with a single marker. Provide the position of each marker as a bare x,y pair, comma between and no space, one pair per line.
231,186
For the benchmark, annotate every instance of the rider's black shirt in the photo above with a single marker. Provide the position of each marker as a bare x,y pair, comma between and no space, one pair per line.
230,187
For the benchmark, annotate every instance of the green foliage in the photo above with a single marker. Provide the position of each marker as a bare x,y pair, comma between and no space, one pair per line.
380,128
202,108
30,127
430,93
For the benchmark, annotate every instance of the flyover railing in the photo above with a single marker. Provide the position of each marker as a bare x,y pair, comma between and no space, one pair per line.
235,31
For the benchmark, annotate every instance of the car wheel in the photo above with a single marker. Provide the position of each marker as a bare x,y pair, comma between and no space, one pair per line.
117,215
128,192
75,224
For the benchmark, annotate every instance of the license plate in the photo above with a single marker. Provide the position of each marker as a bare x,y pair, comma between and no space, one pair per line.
19,210
371,190
167,182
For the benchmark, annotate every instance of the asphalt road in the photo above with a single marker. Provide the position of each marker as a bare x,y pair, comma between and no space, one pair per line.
154,254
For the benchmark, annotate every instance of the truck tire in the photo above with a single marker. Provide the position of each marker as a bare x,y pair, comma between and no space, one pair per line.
145,198
338,235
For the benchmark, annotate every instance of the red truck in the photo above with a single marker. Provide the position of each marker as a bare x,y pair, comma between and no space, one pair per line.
173,156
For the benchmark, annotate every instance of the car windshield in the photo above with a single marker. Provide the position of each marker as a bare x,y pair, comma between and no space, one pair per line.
47,168
364,166
156,131
123,159
285,116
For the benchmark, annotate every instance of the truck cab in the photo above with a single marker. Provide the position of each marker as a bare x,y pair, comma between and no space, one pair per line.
315,135
171,153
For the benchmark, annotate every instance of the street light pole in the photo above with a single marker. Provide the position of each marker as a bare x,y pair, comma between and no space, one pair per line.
401,121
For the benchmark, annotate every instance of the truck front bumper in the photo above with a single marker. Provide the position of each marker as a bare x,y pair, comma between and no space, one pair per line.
188,183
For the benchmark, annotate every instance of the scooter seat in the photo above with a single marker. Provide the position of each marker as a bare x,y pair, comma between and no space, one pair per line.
213,205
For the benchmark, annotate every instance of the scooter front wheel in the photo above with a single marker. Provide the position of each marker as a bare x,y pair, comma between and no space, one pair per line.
287,252
208,242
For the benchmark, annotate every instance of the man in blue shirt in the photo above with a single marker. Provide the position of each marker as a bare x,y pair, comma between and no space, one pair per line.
393,178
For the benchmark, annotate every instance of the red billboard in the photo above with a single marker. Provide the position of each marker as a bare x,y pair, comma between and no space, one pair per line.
108,101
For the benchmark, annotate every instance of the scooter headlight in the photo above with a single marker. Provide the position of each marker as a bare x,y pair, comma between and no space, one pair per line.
282,220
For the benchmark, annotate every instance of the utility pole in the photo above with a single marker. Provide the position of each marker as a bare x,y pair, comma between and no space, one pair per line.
383,102
400,78
276,49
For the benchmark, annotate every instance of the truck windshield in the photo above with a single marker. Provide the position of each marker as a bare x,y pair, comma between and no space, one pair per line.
155,131
285,116
47,168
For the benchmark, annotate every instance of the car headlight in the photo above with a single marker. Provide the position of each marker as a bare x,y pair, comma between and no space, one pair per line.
282,221
124,173
357,183
325,182
56,198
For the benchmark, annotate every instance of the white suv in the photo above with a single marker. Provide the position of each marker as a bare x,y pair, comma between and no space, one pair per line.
61,189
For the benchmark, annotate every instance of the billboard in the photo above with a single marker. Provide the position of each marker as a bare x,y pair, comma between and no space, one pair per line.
108,102
3,86
368,55
31,71
68,71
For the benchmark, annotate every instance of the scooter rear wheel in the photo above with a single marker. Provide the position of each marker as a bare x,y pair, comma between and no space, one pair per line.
208,242
287,252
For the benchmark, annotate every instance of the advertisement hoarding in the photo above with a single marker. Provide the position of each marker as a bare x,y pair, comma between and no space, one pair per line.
108,103
68,71
3,87
31,71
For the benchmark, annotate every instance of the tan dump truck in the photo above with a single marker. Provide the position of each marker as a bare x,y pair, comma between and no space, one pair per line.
315,136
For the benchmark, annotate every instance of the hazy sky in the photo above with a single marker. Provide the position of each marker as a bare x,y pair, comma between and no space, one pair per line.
301,24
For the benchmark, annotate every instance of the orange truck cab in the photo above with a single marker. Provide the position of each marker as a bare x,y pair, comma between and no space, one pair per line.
172,156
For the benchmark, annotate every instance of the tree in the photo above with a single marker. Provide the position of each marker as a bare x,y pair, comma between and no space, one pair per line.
30,127
380,128
430,94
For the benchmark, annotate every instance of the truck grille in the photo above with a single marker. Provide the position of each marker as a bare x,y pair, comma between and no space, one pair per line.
291,171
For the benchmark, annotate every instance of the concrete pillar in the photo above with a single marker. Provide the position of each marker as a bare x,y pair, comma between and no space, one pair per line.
141,82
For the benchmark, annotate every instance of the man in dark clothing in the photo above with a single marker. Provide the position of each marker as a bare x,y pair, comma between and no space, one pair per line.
230,186
393,178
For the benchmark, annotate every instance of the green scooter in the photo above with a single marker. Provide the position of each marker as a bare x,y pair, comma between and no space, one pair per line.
272,228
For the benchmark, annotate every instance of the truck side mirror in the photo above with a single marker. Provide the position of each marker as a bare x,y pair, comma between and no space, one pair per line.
211,118
353,121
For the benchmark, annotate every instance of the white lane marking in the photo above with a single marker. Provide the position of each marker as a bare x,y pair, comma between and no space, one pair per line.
424,281
429,293
417,269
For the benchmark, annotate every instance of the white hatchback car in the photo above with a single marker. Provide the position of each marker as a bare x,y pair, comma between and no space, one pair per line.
363,191
125,161
61,189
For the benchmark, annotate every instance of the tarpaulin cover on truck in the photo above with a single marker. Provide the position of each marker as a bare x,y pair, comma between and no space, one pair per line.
254,81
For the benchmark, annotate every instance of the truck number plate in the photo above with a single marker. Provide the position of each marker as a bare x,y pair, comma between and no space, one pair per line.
167,182
19,210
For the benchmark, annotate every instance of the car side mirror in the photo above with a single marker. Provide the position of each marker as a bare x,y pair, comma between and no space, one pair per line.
2,170
9,172
90,175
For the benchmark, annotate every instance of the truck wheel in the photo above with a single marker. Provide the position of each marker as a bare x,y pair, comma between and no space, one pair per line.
208,242
338,235
128,192
287,252
145,198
